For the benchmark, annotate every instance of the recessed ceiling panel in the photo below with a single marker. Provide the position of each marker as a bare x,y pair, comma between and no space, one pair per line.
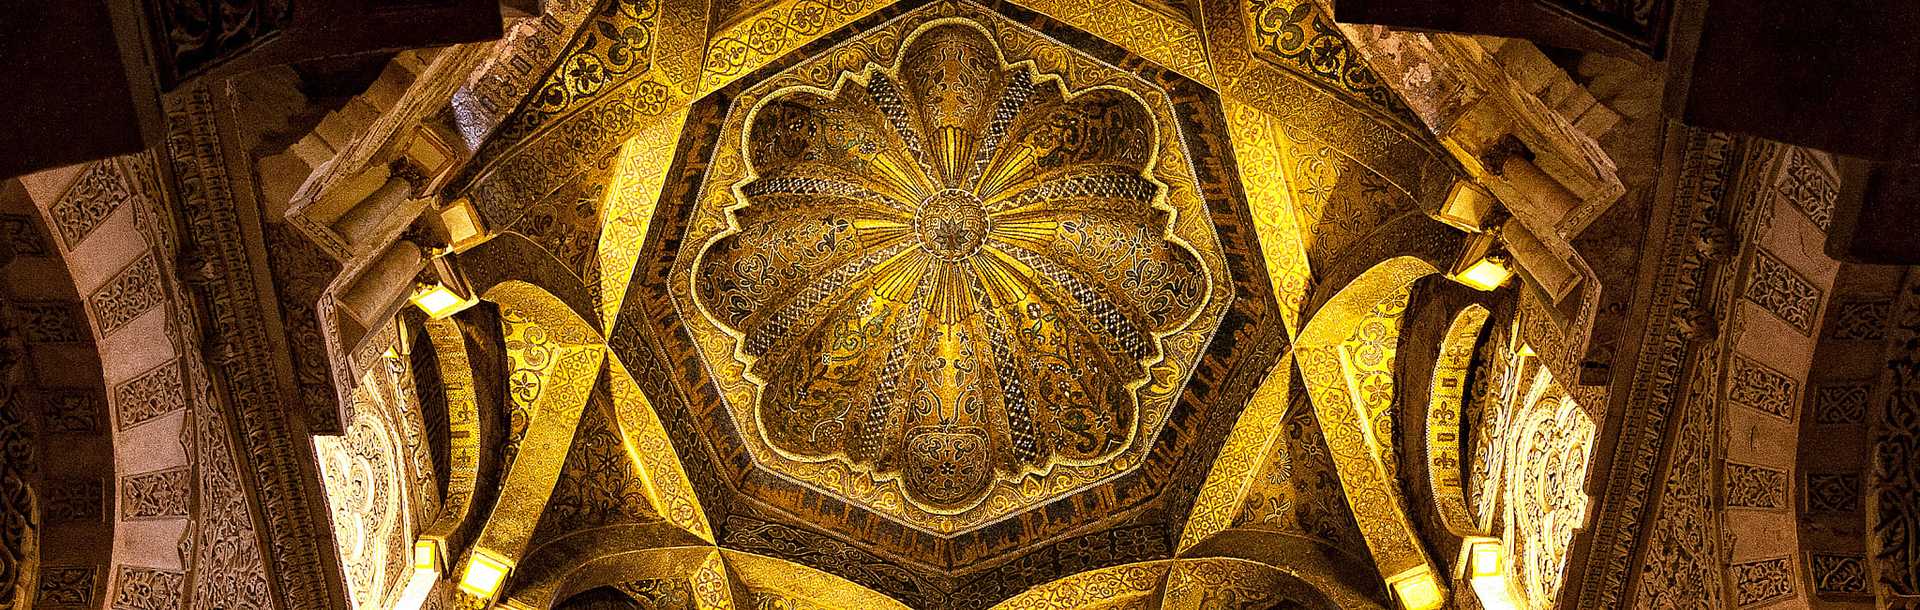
953,281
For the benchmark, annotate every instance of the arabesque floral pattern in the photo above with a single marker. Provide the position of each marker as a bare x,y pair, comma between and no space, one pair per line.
951,272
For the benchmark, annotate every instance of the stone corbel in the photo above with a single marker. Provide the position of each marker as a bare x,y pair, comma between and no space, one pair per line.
360,213
365,296
1550,177
1551,265
1549,171
1546,263
1561,183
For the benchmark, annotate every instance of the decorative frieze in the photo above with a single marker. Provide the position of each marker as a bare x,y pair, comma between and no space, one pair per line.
1810,188
1681,547
1761,387
1891,493
92,198
1840,403
249,459
1763,581
139,588
151,394
154,495
133,291
1781,290
1751,486
1838,575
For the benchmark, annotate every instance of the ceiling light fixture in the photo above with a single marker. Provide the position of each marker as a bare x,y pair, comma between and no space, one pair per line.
485,573
1487,573
1483,264
1417,589
445,295
426,555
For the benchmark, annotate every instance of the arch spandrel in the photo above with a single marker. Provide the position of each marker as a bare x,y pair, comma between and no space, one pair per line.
1243,457
659,456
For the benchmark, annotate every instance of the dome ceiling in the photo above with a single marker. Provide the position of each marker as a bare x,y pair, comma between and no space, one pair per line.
951,301
957,309
951,289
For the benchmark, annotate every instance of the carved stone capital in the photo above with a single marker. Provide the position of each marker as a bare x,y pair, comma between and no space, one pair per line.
1507,148
406,170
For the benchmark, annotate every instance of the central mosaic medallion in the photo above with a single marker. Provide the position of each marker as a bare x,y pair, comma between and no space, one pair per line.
953,282
952,223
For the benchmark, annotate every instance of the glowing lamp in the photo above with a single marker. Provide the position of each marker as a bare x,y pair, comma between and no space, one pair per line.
438,300
1417,589
484,575
426,556
426,572
447,293
1482,265
1486,560
1487,574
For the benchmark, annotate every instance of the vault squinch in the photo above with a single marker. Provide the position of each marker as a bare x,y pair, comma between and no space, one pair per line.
954,285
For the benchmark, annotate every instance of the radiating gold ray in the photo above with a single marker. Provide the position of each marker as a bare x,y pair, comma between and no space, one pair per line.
955,146
895,279
1002,173
1031,231
998,279
908,179
1118,209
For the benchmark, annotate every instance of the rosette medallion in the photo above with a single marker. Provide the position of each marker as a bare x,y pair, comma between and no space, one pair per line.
952,273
